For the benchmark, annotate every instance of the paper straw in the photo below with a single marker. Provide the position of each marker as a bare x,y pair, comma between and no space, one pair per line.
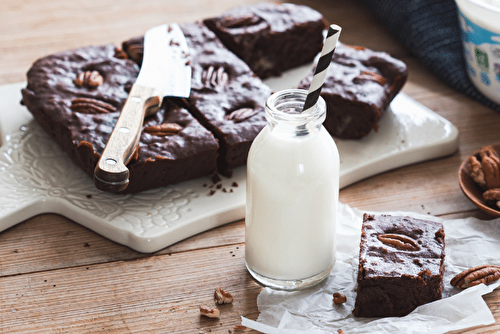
324,61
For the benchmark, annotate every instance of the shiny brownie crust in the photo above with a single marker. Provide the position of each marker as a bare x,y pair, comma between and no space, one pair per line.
401,265
67,112
226,96
271,37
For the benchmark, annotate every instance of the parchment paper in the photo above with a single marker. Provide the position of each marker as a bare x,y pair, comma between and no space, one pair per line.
469,242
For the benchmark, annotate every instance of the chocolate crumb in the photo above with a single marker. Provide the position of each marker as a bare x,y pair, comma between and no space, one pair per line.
234,184
212,192
88,196
230,190
218,186
216,179
224,190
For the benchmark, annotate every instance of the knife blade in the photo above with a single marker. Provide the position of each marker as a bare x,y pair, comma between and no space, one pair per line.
164,72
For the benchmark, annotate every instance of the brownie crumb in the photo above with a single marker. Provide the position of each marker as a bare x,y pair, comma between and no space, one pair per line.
234,184
216,179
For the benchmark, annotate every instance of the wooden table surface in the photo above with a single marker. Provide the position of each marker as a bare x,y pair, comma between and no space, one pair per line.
57,276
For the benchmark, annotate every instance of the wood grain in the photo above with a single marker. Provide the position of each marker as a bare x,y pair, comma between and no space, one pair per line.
57,276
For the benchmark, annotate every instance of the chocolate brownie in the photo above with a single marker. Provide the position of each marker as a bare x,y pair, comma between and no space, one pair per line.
271,37
400,265
76,96
226,96
358,88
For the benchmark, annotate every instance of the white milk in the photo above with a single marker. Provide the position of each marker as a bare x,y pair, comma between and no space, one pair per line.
292,195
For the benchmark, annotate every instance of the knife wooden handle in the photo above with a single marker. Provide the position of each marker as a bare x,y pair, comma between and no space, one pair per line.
111,173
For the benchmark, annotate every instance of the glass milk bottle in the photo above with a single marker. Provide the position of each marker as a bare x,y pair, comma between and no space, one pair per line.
292,195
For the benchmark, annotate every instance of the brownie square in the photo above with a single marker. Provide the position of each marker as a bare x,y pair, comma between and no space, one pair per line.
359,86
76,96
226,96
271,37
401,265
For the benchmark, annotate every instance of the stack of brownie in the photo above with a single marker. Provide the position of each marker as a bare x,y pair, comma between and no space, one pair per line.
76,96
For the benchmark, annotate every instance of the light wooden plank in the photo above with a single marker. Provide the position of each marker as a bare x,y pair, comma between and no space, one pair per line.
153,294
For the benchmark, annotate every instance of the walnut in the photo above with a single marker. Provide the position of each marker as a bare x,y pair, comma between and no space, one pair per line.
399,241
209,312
339,298
91,106
481,274
222,297
213,78
241,114
89,79
164,129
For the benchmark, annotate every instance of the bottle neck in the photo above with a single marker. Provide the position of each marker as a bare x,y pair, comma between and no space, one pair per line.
284,113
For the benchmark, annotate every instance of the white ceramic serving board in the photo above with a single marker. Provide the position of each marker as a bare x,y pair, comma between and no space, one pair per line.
37,177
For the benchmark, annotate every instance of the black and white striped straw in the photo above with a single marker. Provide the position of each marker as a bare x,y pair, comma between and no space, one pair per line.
324,61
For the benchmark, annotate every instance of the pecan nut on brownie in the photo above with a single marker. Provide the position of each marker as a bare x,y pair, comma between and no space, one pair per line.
226,96
76,96
401,265
358,88
271,37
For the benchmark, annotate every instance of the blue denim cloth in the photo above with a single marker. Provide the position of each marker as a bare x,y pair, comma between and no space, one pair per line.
430,30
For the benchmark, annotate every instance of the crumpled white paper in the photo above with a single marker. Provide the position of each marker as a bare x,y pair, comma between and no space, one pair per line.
469,242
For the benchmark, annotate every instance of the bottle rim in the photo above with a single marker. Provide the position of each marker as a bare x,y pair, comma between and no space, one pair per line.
286,106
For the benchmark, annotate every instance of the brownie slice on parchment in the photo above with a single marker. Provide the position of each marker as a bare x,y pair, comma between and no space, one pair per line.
401,265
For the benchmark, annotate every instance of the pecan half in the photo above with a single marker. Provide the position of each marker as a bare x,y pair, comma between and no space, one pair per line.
485,273
240,21
399,241
209,312
491,169
90,79
165,129
120,54
492,195
370,76
488,151
484,168
213,78
136,51
241,114
222,297
239,327
91,106
339,298
476,171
